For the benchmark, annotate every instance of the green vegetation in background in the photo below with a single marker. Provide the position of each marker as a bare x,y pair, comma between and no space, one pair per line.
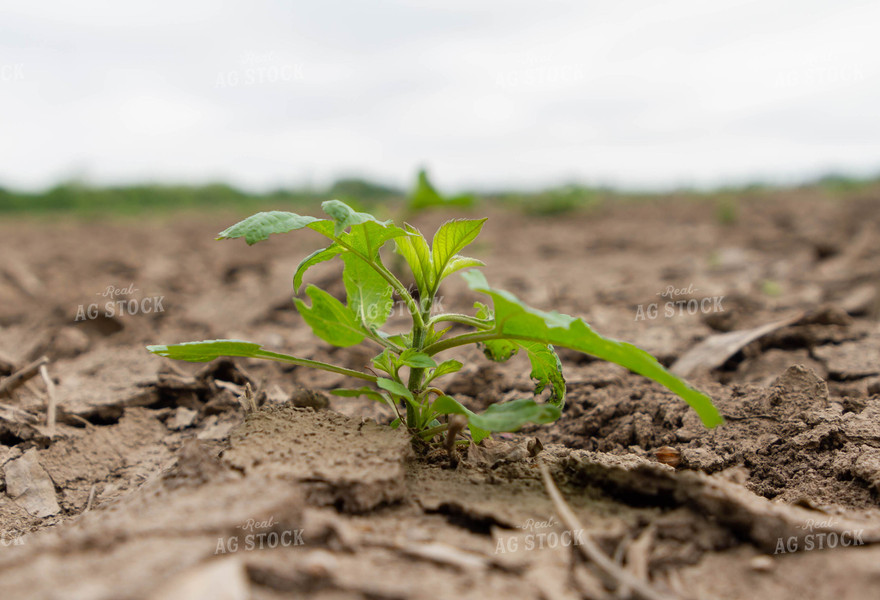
559,200
424,196
726,209
88,200
837,183
78,198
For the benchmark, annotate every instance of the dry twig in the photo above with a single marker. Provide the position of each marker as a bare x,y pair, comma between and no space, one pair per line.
16,415
91,499
591,550
50,391
17,379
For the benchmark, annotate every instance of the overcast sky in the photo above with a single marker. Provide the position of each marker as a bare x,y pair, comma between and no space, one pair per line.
486,94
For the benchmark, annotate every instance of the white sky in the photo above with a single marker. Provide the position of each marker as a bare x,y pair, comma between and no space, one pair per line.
486,94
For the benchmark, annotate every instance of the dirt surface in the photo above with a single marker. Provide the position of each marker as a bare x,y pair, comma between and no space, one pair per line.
161,480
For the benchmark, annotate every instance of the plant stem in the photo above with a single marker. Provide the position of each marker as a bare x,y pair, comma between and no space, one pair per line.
419,333
375,337
410,416
401,290
415,374
463,319
429,433
393,406
462,340
304,362
475,338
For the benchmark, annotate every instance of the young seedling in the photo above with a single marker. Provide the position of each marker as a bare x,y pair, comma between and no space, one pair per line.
408,365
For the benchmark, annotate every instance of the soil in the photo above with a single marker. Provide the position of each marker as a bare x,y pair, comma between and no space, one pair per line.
244,479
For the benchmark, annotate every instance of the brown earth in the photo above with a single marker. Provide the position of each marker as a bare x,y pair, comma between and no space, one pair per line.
157,481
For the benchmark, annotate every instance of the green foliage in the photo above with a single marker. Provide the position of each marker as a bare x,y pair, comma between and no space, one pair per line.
771,288
558,201
507,328
430,265
83,199
425,196
514,320
362,190
727,210
839,183
330,319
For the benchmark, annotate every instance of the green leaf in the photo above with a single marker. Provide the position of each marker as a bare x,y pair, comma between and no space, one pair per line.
369,295
369,237
401,339
458,262
419,360
367,233
385,362
450,239
313,259
477,433
345,216
361,391
546,370
208,350
258,227
434,336
329,319
395,388
447,405
511,416
499,350
414,249
483,311
507,416
495,350
518,321
444,368
431,264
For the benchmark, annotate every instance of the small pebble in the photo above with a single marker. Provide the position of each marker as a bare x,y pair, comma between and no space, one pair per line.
534,447
761,563
668,456
319,564
303,398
